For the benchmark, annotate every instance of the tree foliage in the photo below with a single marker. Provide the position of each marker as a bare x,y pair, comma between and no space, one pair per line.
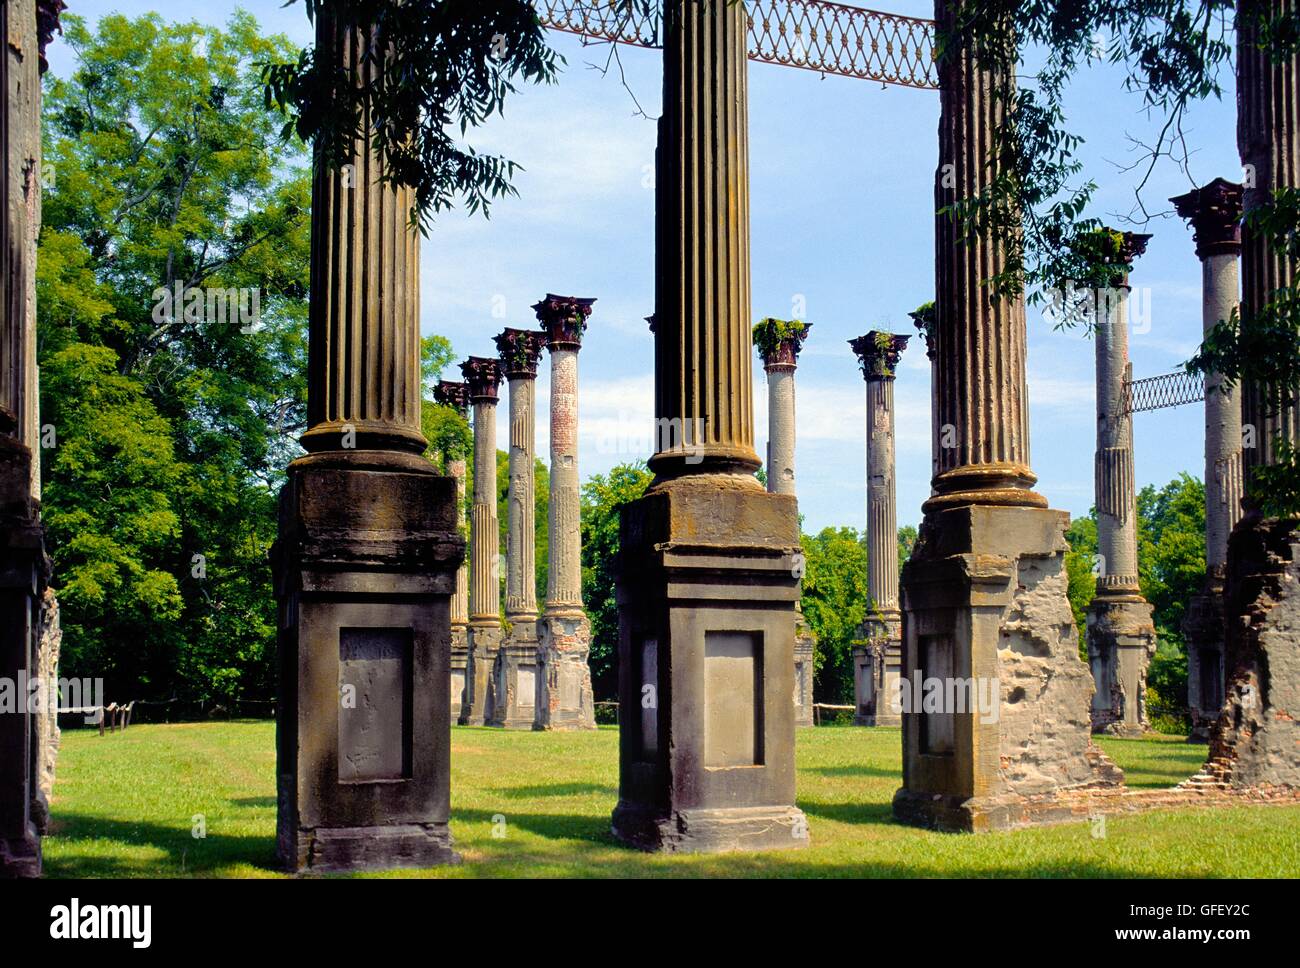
447,66
603,498
168,175
1172,53
834,605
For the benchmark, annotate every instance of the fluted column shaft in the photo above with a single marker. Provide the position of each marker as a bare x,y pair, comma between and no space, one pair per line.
485,591
780,428
1268,120
564,575
1115,488
882,514
521,535
364,347
982,411
1224,481
702,300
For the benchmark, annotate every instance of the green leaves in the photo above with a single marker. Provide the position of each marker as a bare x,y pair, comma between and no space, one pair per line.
447,65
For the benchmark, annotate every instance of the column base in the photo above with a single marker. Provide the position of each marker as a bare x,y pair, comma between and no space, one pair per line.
1121,642
565,700
986,604
804,649
515,704
706,591
714,831
459,664
21,856
365,567
479,703
332,850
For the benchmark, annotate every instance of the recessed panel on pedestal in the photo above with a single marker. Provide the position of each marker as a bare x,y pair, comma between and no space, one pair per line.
733,699
937,736
375,692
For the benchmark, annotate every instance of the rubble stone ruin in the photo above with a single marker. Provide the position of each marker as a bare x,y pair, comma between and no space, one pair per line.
707,576
565,699
516,685
365,564
780,360
1121,635
877,660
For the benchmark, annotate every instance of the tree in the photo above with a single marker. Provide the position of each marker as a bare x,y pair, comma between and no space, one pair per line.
834,606
603,498
173,205
109,506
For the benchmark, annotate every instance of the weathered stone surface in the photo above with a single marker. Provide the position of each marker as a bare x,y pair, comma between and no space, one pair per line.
24,566
805,643
565,699
878,661
369,544
1121,636
46,724
986,587
706,652
1255,744
485,634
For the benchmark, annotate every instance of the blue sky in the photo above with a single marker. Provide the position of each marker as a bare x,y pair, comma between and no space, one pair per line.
842,219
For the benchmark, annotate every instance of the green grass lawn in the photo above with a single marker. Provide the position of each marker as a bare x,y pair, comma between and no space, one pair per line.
125,806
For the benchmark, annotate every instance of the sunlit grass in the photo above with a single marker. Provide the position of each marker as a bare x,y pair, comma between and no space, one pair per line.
126,806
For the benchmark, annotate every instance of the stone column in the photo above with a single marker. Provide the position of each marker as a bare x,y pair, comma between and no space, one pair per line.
516,686
1121,635
564,695
780,355
877,661
456,396
1255,743
1215,213
24,566
707,580
368,549
984,592
478,706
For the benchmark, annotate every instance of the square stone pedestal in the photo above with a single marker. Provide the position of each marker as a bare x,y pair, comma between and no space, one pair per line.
516,679
986,613
565,699
804,648
24,570
1121,641
459,663
365,567
706,593
478,705
1204,632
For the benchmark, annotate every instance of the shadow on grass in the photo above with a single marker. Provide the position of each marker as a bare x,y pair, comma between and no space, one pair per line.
555,790
186,855
852,771
862,812
254,801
